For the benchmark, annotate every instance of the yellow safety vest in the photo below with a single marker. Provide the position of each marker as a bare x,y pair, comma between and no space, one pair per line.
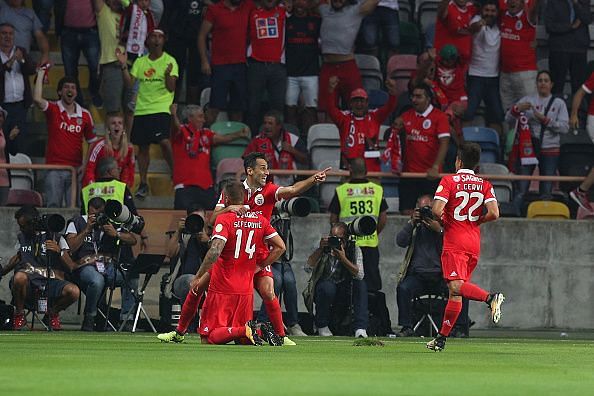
359,199
112,189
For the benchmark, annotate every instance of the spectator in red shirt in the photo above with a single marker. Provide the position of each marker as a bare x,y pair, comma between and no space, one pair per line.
283,149
227,22
191,144
427,136
114,145
359,126
67,125
266,65
453,26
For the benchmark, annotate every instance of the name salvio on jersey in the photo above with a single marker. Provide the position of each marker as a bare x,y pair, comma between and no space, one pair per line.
469,197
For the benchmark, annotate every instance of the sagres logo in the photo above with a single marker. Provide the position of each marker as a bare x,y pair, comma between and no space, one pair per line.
150,72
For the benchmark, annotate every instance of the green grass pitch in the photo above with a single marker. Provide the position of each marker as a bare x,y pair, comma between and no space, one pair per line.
73,363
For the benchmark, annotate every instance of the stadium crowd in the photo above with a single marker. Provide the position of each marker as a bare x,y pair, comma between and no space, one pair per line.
283,74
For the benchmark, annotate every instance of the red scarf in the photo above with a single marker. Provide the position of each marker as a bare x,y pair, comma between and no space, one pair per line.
522,147
285,159
194,141
392,154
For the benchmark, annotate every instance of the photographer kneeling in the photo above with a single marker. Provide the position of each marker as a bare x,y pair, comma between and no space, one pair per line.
421,270
93,241
336,263
39,266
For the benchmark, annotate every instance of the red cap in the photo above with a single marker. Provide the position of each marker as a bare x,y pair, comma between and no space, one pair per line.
358,93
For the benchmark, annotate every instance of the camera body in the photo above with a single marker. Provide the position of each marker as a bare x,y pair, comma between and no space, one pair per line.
101,219
194,224
425,212
49,223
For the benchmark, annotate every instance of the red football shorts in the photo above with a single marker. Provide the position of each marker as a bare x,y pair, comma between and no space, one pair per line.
225,310
261,254
458,265
267,271
349,79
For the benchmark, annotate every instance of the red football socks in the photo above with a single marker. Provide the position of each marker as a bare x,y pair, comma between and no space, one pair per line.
275,314
450,316
188,312
223,335
473,292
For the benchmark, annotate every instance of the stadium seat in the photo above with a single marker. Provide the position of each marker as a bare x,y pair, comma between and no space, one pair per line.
487,138
24,197
21,179
323,135
426,13
549,210
405,12
508,209
227,168
390,184
401,65
377,98
371,74
503,188
234,149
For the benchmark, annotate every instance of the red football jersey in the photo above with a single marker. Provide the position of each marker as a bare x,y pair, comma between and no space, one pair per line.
267,34
66,133
465,195
244,236
191,157
588,86
517,37
452,81
455,29
262,201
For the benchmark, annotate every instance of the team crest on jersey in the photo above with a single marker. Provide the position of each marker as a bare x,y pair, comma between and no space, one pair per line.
259,199
219,228
519,25
79,121
427,124
456,178
439,189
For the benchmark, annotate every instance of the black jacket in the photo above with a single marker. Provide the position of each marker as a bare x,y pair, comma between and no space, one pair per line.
562,37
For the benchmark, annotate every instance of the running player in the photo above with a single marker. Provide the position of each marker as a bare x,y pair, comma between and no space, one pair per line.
261,197
459,202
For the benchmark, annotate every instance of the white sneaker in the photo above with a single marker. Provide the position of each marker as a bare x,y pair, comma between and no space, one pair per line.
296,330
360,333
495,305
325,332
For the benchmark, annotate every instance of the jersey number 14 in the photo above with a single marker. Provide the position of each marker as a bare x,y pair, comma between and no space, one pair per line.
250,248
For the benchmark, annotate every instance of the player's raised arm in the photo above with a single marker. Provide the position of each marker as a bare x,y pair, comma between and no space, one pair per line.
302,186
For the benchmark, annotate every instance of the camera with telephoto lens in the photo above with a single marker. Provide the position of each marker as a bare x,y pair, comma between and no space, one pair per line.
119,214
362,226
101,219
297,206
49,223
426,213
194,224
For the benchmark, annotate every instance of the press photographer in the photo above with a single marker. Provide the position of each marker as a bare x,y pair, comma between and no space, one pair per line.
95,241
284,278
420,273
186,250
336,285
39,264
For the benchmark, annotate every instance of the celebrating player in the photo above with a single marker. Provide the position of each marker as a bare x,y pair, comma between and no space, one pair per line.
459,202
236,239
260,197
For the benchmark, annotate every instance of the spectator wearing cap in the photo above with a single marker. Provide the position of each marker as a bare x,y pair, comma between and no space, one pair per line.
27,26
283,149
359,127
15,87
227,22
518,53
340,23
453,26
78,33
192,144
156,74
426,133
482,82
6,149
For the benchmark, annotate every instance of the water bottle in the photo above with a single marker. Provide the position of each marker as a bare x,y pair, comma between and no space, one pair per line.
42,300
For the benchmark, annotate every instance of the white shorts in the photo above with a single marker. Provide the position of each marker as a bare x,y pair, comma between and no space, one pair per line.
514,86
307,86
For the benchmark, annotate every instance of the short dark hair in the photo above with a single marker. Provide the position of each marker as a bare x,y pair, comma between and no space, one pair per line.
470,154
105,165
66,80
29,212
3,24
358,167
249,161
277,115
490,2
424,87
194,207
96,203
548,73
235,192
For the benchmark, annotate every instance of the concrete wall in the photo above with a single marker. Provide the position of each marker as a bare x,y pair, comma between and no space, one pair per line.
545,268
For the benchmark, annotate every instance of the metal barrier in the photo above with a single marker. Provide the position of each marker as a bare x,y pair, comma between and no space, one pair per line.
73,185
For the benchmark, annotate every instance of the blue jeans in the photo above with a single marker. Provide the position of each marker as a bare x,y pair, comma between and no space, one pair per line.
92,283
75,41
57,185
284,282
387,20
547,166
269,78
487,90
325,296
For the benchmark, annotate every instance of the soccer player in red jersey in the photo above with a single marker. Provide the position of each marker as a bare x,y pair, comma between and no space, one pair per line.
260,197
231,262
459,202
